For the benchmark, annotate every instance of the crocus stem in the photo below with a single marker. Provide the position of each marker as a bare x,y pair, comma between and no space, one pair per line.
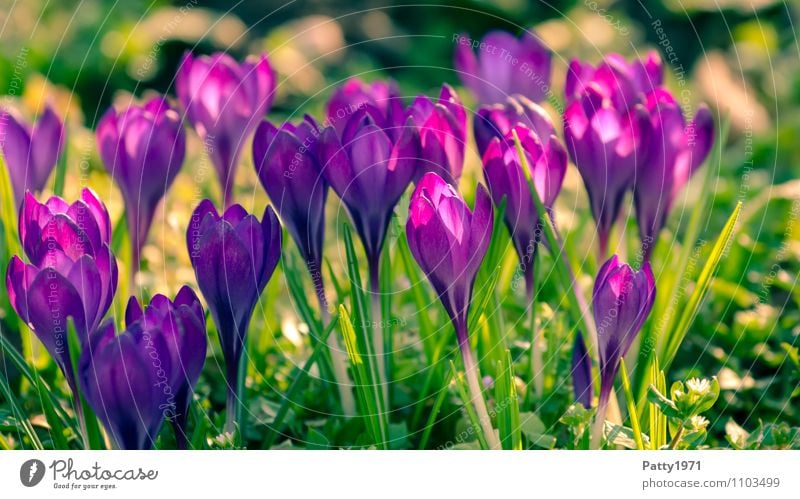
599,423
377,326
234,405
476,394
537,370
338,356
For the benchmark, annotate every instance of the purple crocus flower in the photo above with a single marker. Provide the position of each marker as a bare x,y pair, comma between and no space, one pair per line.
582,384
31,152
504,66
289,170
606,143
225,101
627,83
233,256
369,165
118,378
72,273
677,150
133,381
180,327
355,94
547,161
621,301
449,241
442,129
142,148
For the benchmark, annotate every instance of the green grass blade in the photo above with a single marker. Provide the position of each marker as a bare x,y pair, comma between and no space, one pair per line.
675,337
367,392
23,423
297,384
437,406
61,169
507,405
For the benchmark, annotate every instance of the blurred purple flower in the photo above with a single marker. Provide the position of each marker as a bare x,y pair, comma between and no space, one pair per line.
31,152
582,385
355,94
72,272
442,129
497,120
233,256
626,83
547,161
606,143
621,301
225,101
142,148
287,165
179,328
504,66
677,150
369,165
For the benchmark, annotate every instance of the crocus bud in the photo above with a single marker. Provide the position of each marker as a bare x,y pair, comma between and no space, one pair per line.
355,94
605,143
621,301
72,273
505,177
449,241
142,148
582,385
289,170
233,256
179,327
225,101
31,152
677,150
369,166
442,129
504,66
626,83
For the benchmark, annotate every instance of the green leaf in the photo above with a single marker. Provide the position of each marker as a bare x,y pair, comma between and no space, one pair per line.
535,431
315,440
664,404
622,435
